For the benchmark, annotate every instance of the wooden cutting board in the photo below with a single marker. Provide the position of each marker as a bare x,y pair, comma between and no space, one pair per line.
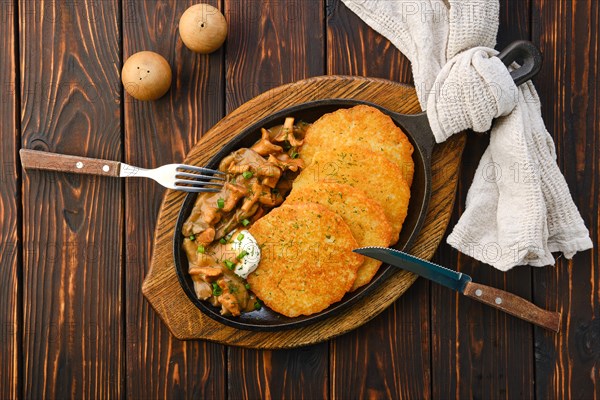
185,321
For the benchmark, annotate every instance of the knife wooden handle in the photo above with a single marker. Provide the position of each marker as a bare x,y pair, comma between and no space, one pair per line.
514,305
34,159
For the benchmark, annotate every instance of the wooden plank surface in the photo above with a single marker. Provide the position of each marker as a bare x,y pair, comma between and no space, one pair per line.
272,43
74,250
478,352
379,350
72,225
568,364
10,210
157,133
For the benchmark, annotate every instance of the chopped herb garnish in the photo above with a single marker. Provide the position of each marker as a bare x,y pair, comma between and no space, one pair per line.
247,285
229,264
222,241
245,222
192,237
257,305
294,154
220,203
247,174
233,288
242,254
240,237
217,291
201,249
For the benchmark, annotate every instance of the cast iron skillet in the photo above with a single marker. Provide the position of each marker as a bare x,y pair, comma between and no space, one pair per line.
419,133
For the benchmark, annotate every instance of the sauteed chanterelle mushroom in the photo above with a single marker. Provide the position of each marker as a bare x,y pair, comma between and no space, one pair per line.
221,253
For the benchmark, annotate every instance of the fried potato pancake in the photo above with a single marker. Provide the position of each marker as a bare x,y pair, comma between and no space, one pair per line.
307,262
363,126
365,218
371,172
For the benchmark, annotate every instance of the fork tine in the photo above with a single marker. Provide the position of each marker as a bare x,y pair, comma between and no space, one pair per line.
196,176
196,183
197,189
200,169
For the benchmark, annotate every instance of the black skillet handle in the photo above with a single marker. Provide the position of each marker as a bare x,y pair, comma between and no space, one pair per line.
526,51
420,130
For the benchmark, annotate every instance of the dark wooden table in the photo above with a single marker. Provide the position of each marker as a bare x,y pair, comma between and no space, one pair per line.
75,249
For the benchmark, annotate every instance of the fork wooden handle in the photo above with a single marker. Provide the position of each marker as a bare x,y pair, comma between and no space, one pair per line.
34,159
514,305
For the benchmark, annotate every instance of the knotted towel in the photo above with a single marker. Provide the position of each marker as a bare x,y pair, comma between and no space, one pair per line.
519,209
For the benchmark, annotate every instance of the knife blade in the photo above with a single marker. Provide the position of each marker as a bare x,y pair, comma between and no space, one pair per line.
462,283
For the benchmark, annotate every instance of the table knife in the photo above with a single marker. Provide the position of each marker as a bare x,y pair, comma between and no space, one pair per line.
462,283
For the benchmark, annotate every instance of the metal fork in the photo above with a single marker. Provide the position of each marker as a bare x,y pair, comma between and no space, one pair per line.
187,178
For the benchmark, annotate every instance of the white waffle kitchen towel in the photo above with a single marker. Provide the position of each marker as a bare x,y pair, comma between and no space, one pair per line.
519,209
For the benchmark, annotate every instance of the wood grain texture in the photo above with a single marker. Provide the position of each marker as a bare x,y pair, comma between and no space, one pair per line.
43,160
400,335
72,333
478,352
74,250
10,205
355,49
514,305
277,374
568,364
272,43
161,286
157,133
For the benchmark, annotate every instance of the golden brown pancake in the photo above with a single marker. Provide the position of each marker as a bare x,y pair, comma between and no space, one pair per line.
364,216
360,126
307,262
371,172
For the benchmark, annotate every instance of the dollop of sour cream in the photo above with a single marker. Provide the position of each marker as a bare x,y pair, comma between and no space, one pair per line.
247,251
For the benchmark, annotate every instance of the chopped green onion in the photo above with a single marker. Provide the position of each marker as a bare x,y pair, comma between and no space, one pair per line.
229,264
217,291
201,249
245,222
220,203
192,237
242,254
247,174
247,285
222,241
233,288
240,237
294,154
257,305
